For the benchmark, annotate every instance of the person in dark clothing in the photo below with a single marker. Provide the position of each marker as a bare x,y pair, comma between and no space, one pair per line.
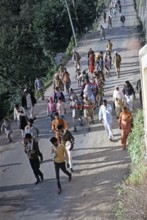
58,94
33,152
59,151
129,94
139,90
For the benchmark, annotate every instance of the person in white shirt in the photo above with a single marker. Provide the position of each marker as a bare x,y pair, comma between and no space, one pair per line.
118,100
31,129
105,115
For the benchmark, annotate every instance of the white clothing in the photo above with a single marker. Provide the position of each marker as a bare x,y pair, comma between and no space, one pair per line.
129,101
117,94
17,114
105,114
61,108
88,92
33,131
68,145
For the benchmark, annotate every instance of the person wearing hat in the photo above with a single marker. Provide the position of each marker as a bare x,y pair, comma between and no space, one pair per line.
59,151
67,139
31,148
117,63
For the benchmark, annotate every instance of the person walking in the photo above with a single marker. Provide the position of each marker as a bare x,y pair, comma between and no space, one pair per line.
125,124
20,117
58,83
110,22
102,32
60,107
118,100
51,108
76,111
59,152
67,139
32,150
109,46
28,102
58,121
31,129
39,86
104,15
67,81
129,94
58,94
76,59
6,127
105,115
122,19
91,63
88,111
117,63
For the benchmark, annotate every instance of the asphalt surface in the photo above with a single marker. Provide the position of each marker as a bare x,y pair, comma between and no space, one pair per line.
99,165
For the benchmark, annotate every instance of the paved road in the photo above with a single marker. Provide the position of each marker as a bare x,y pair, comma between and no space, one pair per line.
99,165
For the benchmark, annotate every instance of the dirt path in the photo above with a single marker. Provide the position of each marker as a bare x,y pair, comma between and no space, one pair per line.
99,165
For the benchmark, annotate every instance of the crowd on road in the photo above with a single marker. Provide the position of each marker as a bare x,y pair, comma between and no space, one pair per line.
83,106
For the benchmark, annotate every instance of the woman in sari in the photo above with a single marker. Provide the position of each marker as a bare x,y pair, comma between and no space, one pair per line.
91,63
125,124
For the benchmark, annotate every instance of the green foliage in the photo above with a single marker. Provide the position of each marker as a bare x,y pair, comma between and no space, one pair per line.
136,145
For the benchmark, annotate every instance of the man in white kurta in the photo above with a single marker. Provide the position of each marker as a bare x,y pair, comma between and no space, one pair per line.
105,115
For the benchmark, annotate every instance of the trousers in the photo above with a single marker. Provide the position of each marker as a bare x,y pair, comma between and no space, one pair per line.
35,164
61,166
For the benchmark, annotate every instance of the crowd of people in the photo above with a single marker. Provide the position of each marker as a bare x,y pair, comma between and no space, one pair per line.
83,106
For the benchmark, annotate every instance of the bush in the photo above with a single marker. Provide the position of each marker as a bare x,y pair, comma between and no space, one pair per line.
132,195
136,145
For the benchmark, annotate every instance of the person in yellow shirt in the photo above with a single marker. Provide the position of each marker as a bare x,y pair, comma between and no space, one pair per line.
59,151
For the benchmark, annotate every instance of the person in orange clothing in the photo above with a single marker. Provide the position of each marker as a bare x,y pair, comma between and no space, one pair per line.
91,63
125,124
58,121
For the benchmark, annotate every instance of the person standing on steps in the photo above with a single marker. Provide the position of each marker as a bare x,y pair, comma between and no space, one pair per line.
117,63
109,46
67,139
59,151
39,86
125,124
33,152
105,115
122,19
102,32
